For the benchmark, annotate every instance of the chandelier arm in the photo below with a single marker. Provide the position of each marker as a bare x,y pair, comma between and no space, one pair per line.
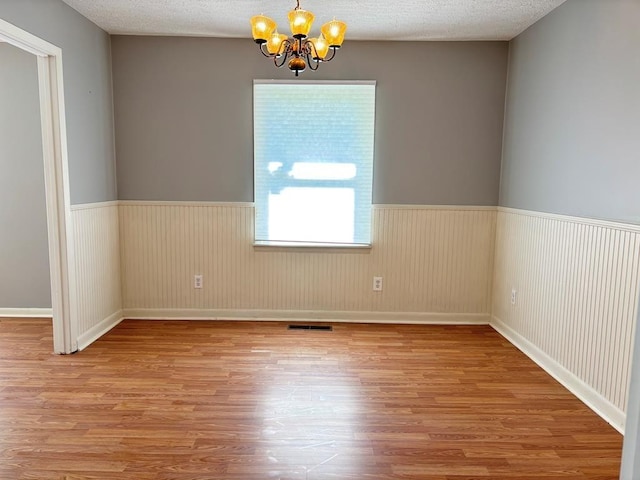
284,52
333,54
311,49
311,62
262,51
310,54
284,46
282,58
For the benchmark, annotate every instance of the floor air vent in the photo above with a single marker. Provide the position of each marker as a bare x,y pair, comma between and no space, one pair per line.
326,328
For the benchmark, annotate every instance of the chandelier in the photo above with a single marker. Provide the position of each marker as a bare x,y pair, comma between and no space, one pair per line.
299,50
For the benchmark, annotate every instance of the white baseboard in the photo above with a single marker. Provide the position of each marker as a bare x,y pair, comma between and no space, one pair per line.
309,315
26,312
596,402
91,335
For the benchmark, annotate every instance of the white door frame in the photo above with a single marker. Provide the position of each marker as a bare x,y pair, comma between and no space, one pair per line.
56,180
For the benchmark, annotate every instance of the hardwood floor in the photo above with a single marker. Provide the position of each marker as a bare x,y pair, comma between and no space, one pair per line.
222,400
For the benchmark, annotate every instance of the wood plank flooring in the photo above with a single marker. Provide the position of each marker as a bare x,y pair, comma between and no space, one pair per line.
235,400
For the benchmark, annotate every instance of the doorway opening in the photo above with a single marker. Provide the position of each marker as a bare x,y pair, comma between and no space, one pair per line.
56,180
25,284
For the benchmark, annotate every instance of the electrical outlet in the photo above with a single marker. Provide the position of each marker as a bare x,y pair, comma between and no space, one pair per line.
197,281
514,296
377,284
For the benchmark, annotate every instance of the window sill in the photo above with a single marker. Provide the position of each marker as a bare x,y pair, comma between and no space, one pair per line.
315,246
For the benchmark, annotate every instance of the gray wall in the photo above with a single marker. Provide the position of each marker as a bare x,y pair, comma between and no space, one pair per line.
24,256
88,92
572,141
183,109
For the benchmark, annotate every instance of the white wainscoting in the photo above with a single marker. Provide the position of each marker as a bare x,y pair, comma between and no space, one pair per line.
577,296
436,263
576,279
97,259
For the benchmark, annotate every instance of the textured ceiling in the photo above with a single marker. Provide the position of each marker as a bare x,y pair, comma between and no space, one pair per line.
366,19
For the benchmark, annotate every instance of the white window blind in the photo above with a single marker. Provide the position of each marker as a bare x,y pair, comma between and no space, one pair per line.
313,162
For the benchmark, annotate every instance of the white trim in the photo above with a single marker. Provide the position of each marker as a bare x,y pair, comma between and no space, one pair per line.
419,318
272,81
173,203
306,246
462,208
97,331
92,206
26,312
25,41
596,402
178,203
627,227
54,144
58,203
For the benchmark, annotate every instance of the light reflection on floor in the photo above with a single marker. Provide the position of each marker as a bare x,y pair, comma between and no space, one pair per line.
310,419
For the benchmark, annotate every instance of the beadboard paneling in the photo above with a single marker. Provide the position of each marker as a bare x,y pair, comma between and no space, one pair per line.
97,254
432,259
577,296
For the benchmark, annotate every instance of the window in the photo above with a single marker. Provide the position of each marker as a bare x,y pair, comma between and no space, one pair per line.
313,162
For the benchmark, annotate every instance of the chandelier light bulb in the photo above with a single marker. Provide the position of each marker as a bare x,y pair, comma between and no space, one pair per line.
300,22
262,27
321,48
274,43
333,32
